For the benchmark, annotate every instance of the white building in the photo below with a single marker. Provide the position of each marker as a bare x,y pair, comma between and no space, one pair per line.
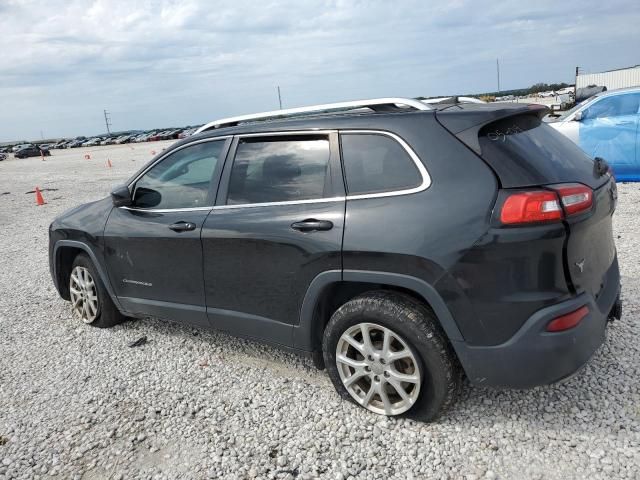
621,78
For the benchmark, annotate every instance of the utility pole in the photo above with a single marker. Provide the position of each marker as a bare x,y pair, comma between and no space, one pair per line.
498,70
107,121
575,85
279,98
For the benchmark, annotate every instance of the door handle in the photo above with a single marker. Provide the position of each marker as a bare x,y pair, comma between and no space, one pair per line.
311,224
183,227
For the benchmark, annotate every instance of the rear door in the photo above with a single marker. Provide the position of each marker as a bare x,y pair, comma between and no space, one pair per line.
278,222
152,249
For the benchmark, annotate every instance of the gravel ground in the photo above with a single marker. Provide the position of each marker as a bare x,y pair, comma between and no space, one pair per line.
77,403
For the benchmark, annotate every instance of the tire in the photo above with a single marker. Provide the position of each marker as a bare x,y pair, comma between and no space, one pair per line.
418,349
84,279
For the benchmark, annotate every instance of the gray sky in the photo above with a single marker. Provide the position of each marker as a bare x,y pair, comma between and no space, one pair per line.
161,63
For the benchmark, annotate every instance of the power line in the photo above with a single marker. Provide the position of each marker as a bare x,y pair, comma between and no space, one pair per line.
107,121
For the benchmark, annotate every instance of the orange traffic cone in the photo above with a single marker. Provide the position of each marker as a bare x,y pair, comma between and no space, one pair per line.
39,200
87,156
153,152
109,163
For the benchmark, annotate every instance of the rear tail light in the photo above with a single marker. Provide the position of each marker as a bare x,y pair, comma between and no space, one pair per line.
551,205
531,207
570,320
576,198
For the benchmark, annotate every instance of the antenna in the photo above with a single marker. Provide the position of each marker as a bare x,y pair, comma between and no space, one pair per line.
107,121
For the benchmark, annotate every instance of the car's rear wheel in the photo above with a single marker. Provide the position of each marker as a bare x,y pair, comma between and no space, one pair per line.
385,352
90,301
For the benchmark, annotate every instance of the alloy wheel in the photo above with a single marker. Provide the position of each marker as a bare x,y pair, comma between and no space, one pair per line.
378,369
84,296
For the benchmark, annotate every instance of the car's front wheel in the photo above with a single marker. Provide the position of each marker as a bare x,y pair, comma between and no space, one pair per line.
90,300
385,352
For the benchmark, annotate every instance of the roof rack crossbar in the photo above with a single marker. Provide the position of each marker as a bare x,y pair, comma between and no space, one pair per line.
376,104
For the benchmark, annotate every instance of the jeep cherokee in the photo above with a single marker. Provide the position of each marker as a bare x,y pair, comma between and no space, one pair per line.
400,245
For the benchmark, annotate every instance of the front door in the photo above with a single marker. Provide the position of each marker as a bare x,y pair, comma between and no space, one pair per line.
278,222
152,249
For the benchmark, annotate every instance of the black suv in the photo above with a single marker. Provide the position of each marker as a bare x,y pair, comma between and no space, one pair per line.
32,151
398,244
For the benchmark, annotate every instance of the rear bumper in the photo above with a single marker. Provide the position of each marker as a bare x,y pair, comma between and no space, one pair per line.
534,356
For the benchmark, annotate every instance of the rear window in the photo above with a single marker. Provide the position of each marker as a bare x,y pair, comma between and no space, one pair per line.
375,163
524,151
280,169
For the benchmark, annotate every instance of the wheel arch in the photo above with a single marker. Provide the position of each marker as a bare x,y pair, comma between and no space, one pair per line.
64,252
333,288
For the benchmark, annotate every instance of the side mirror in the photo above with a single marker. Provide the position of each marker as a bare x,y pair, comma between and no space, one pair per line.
577,117
121,196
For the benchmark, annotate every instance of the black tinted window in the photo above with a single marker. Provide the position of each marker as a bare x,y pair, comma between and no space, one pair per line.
181,180
280,170
525,151
377,163
614,106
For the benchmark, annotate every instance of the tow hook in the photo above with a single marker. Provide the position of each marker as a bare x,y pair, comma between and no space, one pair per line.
616,310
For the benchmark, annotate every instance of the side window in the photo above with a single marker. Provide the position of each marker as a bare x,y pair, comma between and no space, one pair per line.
614,106
375,163
181,180
280,169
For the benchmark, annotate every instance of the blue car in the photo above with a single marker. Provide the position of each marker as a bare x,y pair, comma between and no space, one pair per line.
606,125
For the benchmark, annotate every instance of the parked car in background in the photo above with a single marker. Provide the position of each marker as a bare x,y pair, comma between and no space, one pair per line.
145,137
186,133
92,142
32,151
397,246
76,142
607,126
20,147
3,156
123,139
155,137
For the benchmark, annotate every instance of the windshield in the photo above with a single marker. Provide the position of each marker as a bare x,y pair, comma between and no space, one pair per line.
568,113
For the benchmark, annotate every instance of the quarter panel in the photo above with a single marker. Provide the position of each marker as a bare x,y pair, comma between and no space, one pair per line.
424,235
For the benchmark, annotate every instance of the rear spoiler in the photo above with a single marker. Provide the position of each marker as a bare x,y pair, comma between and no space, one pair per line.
466,120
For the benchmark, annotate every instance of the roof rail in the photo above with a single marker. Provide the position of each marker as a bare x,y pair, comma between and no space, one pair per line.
376,104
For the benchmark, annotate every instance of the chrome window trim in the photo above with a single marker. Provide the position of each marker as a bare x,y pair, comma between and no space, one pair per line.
284,133
289,202
167,210
158,160
426,178
162,157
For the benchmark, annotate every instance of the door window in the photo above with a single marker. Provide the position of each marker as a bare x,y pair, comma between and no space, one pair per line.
280,169
181,180
377,163
614,106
